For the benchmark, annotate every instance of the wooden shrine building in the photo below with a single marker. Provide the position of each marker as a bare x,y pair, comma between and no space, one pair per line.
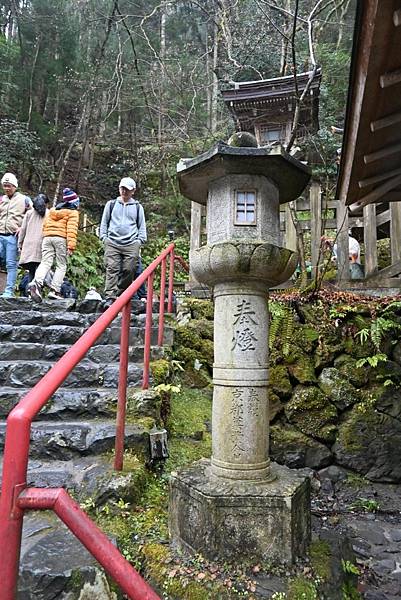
369,183
266,107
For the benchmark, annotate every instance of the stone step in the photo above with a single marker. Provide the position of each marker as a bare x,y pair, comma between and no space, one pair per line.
86,477
68,305
66,403
66,440
43,576
23,374
32,316
105,353
65,334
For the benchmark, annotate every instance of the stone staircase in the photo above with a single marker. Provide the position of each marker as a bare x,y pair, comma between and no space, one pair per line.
72,433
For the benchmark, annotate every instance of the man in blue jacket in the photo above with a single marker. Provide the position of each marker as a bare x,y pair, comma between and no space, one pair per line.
122,230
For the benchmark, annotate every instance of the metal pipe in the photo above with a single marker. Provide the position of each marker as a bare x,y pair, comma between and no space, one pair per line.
148,333
91,537
19,421
122,387
171,282
162,301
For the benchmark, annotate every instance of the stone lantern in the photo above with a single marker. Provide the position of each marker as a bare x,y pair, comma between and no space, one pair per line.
238,505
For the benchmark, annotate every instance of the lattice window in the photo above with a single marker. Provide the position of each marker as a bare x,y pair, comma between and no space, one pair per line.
245,207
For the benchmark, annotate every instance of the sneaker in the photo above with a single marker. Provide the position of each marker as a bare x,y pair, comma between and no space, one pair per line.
7,295
107,303
53,295
34,290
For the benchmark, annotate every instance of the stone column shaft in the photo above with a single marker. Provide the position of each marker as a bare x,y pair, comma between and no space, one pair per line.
240,419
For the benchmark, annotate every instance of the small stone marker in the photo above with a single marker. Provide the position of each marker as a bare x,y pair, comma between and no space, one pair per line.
238,505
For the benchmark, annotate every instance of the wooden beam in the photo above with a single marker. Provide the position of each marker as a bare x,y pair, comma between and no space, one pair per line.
370,239
390,78
397,18
316,224
384,217
355,222
382,153
395,231
343,273
377,178
377,193
391,271
306,225
196,231
393,197
392,119
374,282
290,231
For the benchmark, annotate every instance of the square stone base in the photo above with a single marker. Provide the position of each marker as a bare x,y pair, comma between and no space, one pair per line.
236,521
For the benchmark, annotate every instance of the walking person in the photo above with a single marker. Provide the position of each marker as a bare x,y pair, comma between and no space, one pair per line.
31,234
13,206
60,231
122,230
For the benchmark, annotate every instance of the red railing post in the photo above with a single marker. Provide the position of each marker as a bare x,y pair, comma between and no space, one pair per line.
148,333
11,517
122,387
162,301
171,282
91,537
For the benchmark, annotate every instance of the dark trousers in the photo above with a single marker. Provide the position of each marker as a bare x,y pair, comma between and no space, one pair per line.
121,264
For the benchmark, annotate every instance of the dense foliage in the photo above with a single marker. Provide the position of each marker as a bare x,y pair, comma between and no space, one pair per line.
95,90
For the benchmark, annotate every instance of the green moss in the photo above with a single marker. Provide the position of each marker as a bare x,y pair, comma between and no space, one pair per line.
320,556
184,452
349,433
356,481
279,381
303,369
174,585
346,365
76,580
301,589
187,336
145,422
160,370
201,309
309,410
190,410
330,345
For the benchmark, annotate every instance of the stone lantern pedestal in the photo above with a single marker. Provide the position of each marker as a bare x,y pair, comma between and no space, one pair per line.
237,505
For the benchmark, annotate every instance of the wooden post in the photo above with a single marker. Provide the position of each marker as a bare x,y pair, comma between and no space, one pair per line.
196,230
395,231
315,224
290,231
343,273
370,239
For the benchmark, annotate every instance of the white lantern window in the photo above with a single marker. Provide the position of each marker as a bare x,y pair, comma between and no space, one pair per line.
245,207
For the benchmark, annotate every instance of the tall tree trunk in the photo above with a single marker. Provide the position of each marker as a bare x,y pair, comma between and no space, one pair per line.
215,82
35,60
160,123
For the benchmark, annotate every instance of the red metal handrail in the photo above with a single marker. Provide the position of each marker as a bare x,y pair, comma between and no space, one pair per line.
16,449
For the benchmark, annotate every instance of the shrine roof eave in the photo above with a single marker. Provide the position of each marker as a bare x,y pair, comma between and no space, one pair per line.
289,174
267,95
370,167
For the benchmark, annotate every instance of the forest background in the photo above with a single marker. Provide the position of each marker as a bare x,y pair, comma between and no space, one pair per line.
93,90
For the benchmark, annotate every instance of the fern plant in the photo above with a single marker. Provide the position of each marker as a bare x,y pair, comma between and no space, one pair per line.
282,319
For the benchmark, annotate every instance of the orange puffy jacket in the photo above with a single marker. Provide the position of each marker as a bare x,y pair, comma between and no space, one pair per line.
62,223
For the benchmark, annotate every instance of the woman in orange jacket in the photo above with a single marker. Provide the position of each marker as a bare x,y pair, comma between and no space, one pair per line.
60,231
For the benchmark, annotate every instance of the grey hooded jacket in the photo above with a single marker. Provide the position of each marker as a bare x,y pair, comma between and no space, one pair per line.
123,223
